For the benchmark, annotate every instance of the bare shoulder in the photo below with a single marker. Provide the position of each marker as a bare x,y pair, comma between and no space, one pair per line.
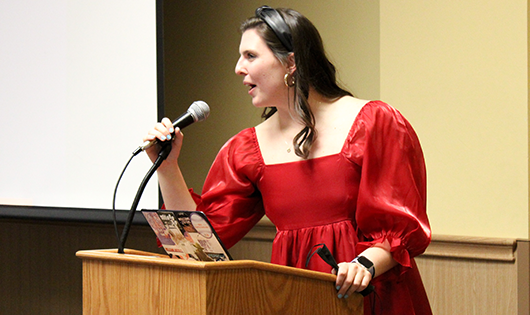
351,104
344,111
266,125
267,131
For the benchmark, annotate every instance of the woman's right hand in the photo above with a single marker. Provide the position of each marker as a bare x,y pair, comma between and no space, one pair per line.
162,132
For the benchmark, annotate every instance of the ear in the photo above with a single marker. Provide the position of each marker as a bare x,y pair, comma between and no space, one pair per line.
291,64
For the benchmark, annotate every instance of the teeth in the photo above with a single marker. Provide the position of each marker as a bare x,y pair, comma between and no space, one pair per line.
250,85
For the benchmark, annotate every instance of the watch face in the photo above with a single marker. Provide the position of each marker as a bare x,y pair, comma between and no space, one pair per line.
365,262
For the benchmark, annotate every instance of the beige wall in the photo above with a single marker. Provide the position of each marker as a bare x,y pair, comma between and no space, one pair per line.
458,70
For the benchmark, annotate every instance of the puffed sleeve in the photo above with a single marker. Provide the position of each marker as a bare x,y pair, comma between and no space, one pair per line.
229,198
391,204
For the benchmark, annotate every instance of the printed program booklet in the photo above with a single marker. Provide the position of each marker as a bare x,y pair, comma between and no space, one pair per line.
186,235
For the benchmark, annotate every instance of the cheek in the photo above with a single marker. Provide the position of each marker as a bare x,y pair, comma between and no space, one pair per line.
272,78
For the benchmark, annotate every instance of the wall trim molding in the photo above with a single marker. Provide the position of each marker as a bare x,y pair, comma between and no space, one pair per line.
467,247
443,246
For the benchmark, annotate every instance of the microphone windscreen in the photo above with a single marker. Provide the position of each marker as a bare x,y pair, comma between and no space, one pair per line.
199,110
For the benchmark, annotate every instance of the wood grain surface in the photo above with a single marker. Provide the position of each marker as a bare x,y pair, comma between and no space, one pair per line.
143,283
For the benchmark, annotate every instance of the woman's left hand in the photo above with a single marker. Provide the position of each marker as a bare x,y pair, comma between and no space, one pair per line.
351,278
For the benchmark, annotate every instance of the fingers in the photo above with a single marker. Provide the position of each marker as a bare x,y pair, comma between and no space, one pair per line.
168,124
161,131
351,278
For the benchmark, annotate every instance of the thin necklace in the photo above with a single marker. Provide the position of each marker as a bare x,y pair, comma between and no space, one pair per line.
288,146
286,143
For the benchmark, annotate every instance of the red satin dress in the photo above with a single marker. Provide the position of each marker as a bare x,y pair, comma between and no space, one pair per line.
373,190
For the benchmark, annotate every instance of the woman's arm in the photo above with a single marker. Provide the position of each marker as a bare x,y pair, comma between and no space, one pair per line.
353,277
172,184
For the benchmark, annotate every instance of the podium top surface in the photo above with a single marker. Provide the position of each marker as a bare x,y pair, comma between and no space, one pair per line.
141,257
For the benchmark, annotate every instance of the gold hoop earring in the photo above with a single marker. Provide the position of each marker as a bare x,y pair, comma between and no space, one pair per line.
288,83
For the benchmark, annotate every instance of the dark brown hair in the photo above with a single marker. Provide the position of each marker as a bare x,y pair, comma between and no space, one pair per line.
313,70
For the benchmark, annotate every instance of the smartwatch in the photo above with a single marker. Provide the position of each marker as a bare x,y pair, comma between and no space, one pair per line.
366,263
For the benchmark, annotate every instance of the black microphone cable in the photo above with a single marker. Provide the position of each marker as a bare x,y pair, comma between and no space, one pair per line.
114,198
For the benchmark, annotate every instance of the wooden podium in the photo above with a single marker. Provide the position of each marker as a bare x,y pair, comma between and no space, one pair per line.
144,283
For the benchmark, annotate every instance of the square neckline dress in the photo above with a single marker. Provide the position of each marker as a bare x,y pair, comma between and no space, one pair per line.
373,190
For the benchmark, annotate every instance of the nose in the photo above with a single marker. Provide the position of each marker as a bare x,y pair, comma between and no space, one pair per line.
240,70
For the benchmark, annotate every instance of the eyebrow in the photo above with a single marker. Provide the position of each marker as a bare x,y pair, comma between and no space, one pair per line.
246,51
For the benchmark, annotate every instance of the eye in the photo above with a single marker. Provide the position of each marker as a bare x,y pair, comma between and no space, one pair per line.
250,55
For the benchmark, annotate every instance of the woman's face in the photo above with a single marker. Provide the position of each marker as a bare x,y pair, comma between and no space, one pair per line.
262,72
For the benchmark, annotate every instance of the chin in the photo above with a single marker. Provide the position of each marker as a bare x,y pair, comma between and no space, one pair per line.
258,104
264,103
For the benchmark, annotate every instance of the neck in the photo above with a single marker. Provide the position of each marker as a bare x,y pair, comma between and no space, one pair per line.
318,105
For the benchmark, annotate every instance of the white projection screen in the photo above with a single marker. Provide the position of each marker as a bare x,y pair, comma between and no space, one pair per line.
77,91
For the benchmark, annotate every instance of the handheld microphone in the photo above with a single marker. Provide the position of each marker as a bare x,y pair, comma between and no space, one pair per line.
198,111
